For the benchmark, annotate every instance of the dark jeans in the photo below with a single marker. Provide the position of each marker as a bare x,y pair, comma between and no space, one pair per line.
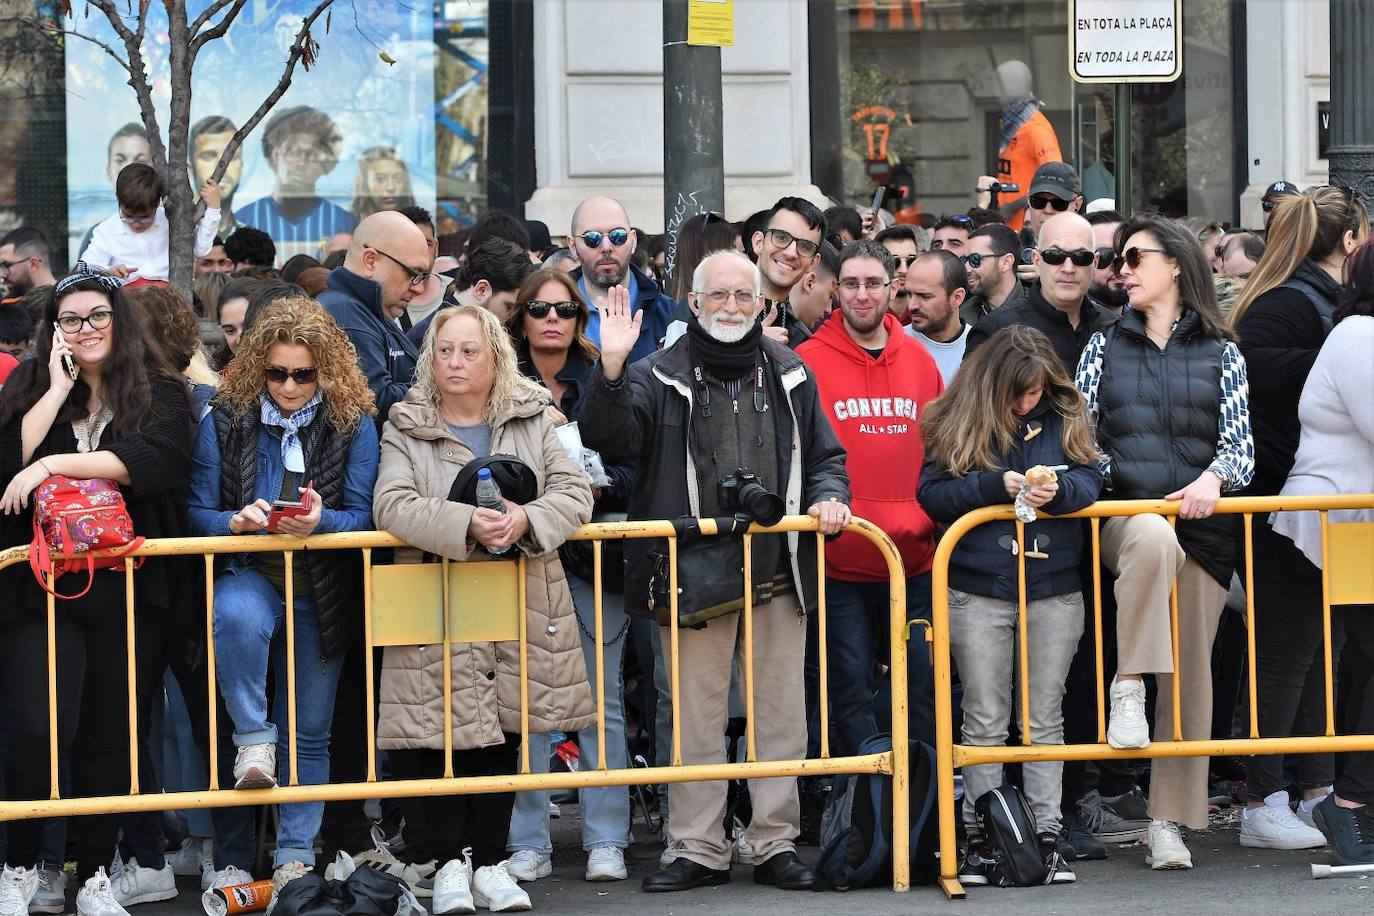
1356,781
346,825
455,822
857,633
1291,690
92,712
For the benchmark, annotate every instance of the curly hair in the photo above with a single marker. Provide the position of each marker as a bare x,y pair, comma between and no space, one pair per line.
299,320
178,332
508,383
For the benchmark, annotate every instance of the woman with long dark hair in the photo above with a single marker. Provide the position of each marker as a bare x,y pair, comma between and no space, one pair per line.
1167,388
124,416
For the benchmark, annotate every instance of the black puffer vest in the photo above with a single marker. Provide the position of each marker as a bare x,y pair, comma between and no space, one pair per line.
335,575
1158,412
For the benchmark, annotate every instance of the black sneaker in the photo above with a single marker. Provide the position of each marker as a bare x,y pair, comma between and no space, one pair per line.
1079,838
973,867
1349,830
1060,872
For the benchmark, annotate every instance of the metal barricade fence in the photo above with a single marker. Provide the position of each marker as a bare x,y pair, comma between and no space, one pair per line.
1347,578
453,602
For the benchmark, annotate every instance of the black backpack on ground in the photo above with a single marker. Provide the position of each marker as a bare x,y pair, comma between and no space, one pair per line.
366,892
1011,846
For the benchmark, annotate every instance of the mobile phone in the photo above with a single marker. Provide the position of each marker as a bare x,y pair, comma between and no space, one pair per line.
284,509
878,197
67,361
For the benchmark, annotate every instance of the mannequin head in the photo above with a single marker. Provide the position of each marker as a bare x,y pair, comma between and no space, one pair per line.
1013,81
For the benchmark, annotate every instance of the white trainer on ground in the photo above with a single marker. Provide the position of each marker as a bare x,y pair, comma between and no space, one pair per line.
1166,846
604,863
255,767
51,895
1128,726
529,864
228,876
1275,826
135,884
453,887
283,875
195,857
96,897
17,887
495,889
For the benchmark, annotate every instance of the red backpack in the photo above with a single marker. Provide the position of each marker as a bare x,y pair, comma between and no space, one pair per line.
75,517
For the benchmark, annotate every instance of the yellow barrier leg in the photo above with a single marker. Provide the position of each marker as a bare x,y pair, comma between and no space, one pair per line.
944,723
210,670
369,694
821,646
56,788
132,673
901,751
289,557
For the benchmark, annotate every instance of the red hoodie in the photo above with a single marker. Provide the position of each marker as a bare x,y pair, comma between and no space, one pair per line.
874,405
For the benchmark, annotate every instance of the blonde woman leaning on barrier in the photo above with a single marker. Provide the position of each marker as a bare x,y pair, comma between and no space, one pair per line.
1167,388
470,401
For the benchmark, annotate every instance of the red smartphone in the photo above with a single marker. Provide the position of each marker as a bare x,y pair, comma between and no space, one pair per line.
281,510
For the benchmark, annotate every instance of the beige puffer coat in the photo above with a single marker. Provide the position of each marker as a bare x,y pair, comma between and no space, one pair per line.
420,458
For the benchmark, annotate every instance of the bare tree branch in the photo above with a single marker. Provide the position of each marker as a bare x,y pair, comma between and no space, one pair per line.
116,21
48,29
215,31
210,12
138,74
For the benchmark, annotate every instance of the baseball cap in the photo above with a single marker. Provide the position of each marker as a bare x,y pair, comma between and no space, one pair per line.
1057,178
1280,189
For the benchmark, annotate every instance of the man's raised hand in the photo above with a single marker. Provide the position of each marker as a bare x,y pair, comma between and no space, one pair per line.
619,331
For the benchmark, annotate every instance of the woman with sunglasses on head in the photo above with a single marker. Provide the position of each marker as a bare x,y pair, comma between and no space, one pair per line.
1167,389
98,401
291,424
548,328
1282,317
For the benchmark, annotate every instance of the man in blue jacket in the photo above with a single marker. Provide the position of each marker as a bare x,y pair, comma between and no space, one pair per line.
386,266
603,242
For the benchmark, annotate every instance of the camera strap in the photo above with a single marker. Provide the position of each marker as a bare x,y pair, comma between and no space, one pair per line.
703,395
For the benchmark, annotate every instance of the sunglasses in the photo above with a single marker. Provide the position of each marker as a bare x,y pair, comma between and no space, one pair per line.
1041,201
594,238
1081,257
905,260
1104,257
975,260
781,238
1131,257
302,376
538,309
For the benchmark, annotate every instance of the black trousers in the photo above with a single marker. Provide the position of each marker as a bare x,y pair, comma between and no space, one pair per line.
92,711
455,822
1356,781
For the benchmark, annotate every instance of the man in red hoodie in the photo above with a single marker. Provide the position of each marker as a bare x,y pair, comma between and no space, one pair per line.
874,382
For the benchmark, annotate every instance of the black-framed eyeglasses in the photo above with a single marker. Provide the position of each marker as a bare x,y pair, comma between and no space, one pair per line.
565,309
147,220
1041,201
417,277
303,375
595,237
974,260
1081,257
7,266
1131,257
99,320
854,284
744,298
781,238
1104,257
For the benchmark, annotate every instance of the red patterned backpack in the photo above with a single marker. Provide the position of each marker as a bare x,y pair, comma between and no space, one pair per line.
76,517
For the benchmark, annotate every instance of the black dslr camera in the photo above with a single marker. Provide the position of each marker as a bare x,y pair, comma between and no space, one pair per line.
742,493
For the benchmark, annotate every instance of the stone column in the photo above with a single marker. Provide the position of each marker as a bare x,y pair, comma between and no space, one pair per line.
1351,153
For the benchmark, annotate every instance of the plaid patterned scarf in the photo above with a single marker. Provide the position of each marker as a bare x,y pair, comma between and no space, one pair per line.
1015,116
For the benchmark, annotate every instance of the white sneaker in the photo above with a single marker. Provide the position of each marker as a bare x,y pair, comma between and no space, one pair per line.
51,895
495,889
554,810
1306,816
255,767
1128,726
96,897
1166,847
742,852
453,887
225,877
670,850
135,884
605,863
1276,827
529,865
17,887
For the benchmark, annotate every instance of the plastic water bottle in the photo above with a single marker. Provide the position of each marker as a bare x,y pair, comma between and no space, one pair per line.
489,497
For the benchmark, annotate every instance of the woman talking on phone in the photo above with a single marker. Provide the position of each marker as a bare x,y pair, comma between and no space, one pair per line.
289,448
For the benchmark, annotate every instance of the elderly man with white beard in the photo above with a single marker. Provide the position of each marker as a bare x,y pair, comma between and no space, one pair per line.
722,412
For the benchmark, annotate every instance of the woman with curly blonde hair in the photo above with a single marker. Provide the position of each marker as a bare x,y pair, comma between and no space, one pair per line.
287,449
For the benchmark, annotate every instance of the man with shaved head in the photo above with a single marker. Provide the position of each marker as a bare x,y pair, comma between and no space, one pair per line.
1065,260
386,266
603,242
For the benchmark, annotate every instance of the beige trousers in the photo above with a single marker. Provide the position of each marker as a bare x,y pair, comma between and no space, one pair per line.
696,810
1143,552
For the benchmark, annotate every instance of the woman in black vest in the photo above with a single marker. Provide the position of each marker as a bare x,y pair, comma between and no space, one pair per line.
291,422
1168,389
1283,317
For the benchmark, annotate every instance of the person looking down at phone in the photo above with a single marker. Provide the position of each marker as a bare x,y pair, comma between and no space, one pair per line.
289,448
134,242
96,401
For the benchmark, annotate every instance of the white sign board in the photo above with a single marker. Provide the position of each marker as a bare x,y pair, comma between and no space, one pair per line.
1125,41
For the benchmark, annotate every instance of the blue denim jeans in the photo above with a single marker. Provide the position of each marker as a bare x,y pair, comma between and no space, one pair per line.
249,631
857,637
605,812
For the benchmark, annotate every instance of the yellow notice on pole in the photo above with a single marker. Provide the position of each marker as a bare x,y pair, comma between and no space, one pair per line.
711,23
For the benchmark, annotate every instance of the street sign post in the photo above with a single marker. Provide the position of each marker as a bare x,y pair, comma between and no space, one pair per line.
1125,41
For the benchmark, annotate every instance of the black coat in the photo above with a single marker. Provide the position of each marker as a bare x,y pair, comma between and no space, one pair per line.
1033,310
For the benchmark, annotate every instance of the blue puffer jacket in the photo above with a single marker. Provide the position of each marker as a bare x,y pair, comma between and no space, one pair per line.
386,357
983,563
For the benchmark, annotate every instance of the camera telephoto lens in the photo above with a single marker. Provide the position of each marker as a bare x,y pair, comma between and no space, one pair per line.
764,507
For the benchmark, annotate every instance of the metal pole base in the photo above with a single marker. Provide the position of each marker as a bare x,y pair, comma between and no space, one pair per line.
955,891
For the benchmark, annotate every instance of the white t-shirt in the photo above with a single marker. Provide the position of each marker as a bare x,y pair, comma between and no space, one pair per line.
947,356
114,243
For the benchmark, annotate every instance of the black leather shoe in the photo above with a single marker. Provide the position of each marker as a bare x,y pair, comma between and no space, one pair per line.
683,875
785,871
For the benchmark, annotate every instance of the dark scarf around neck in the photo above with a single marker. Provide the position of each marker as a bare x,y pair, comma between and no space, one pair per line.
724,361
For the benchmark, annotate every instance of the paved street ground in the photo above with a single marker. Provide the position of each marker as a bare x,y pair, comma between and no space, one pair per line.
1226,879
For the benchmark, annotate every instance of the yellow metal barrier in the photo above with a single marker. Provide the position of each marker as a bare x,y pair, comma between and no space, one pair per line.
452,602
1347,578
